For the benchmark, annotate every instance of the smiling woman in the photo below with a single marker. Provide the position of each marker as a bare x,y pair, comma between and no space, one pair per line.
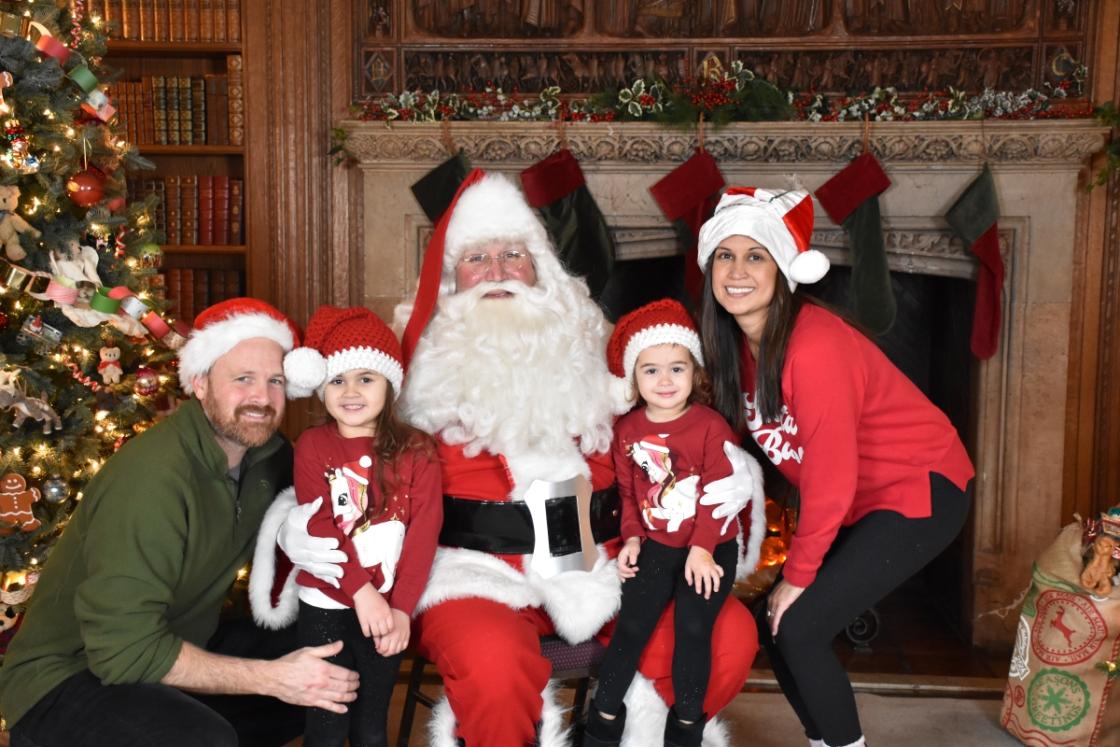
884,479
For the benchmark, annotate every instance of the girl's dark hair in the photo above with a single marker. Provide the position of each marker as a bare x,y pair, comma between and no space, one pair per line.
723,344
391,440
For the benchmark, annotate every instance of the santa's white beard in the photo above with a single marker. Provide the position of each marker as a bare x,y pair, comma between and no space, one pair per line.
518,376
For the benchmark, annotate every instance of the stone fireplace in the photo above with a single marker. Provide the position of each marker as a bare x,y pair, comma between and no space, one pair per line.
1018,399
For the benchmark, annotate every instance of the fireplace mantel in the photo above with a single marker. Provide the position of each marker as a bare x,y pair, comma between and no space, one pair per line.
1020,401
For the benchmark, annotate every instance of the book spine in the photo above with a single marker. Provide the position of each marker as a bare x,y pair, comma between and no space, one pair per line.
188,189
198,110
174,290
186,112
174,210
201,289
235,285
171,82
162,31
221,209
186,295
190,20
205,209
218,9
233,20
236,207
205,20
158,85
175,19
236,100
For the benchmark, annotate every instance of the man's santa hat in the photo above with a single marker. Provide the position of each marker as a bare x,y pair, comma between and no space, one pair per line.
220,328
781,221
487,207
340,340
658,323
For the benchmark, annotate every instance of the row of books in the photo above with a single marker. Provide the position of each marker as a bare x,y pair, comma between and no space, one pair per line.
189,291
194,209
171,20
184,110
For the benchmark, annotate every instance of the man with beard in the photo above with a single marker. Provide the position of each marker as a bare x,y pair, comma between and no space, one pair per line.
509,373
125,608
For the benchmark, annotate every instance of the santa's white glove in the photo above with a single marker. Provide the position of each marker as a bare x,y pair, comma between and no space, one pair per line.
731,494
319,556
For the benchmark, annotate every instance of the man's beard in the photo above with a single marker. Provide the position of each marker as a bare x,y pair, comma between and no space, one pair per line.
232,428
511,375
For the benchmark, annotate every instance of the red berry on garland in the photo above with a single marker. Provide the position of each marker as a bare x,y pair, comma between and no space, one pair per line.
86,188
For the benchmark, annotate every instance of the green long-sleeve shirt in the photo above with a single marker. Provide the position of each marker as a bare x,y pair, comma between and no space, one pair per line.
146,561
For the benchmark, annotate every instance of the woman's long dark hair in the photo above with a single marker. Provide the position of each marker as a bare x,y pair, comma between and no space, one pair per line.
723,345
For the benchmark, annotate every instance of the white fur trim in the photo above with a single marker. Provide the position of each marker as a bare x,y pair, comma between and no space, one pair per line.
263,573
752,550
659,334
553,732
808,267
646,713
581,603
352,359
622,394
304,371
494,208
205,346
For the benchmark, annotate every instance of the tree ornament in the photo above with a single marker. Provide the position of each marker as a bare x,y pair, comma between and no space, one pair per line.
16,500
147,382
86,188
55,491
3,320
12,224
151,255
110,366
14,396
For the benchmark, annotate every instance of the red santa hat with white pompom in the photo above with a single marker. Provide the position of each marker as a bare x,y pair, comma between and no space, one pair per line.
221,327
340,340
658,323
781,221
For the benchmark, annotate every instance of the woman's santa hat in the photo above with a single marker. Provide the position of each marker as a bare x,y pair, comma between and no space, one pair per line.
220,328
487,207
658,323
340,340
781,221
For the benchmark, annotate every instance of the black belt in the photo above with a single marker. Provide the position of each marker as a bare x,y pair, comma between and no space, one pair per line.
506,527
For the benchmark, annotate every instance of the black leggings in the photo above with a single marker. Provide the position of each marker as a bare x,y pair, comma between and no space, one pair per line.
644,597
366,720
870,559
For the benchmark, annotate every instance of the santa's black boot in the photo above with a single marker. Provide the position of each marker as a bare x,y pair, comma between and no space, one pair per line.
604,732
681,734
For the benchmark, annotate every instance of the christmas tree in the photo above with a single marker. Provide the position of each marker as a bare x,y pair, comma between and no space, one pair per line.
84,349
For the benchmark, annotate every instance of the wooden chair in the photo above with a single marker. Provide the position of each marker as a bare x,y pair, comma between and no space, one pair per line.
579,662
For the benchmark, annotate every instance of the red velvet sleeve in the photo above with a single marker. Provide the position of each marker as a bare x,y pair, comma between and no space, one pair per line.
425,495
826,388
631,525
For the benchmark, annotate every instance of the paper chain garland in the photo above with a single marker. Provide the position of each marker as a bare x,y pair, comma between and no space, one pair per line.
118,300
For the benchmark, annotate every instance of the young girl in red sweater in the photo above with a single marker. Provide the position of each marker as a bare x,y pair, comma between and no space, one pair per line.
866,449
664,452
377,484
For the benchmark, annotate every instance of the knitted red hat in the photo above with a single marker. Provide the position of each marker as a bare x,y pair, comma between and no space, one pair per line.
657,323
218,329
340,340
780,221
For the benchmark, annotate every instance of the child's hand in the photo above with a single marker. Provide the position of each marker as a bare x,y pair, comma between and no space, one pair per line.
628,558
374,616
702,572
396,641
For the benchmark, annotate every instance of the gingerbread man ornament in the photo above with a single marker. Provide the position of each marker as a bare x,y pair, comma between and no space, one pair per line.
15,504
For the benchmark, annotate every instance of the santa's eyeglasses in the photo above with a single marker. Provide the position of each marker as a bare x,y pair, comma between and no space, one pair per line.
510,260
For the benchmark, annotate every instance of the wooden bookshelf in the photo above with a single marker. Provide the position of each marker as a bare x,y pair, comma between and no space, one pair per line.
174,98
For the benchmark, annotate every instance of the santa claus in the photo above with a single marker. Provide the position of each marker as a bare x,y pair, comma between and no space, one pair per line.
508,371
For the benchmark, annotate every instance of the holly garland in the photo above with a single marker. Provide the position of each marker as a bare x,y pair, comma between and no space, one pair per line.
722,96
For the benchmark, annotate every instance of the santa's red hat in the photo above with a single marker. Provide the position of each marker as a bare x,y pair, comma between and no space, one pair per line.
220,328
781,221
657,323
340,340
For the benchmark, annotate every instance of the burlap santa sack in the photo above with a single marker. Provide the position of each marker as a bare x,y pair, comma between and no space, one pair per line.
1064,667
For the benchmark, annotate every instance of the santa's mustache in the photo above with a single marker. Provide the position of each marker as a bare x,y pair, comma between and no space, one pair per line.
256,410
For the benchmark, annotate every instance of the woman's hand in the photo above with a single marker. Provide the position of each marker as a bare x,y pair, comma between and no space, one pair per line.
782,596
374,616
702,572
628,558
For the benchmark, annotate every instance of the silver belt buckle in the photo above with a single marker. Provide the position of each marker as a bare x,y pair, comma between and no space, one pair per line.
543,561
